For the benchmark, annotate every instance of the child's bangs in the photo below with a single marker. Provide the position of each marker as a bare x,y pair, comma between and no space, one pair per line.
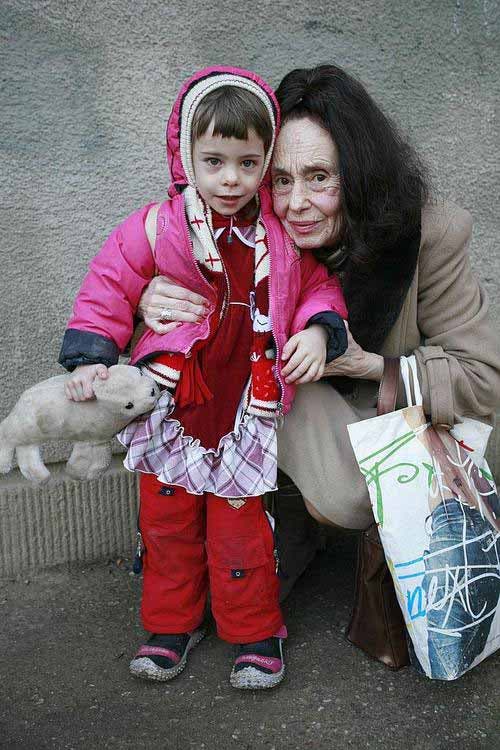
233,112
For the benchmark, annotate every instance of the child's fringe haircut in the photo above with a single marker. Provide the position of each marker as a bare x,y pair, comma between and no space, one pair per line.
234,112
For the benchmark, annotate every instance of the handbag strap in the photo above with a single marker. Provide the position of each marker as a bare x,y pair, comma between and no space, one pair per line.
388,390
409,374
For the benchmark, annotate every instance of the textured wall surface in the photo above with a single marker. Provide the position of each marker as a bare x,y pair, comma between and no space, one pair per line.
65,521
86,88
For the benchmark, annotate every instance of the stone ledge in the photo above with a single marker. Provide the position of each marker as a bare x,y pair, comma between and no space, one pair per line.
66,521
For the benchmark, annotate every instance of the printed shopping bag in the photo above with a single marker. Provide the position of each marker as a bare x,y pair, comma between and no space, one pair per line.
438,513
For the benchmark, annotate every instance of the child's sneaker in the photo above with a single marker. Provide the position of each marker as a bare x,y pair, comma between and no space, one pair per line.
164,656
259,665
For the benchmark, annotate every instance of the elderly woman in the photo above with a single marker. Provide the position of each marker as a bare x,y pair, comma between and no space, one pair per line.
346,185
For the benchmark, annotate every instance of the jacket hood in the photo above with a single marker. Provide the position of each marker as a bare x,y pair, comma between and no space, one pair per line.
178,135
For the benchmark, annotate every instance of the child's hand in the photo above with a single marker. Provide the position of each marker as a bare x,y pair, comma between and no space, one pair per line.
79,386
306,355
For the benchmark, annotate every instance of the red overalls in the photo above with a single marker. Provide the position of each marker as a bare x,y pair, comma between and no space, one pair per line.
193,541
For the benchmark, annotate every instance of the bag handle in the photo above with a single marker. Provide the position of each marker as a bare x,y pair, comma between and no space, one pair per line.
388,391
409,373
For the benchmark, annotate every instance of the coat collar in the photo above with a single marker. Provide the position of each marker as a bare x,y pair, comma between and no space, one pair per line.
375,298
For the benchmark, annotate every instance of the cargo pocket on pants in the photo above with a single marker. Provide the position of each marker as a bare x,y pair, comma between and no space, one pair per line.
241,573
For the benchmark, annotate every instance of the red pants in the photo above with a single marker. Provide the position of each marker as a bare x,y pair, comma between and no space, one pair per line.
190,539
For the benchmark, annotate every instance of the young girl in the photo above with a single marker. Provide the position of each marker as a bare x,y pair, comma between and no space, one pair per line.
207,453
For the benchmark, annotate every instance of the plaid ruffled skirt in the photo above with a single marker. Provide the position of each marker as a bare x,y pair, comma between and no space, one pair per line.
244,463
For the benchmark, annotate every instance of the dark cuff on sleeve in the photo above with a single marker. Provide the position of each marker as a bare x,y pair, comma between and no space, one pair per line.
84,348
337,334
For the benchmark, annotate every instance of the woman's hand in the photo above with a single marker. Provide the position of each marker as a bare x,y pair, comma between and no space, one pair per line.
160,296
79,387
356,363
306,355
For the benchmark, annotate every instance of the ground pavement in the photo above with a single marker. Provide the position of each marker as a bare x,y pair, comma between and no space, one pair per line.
66,636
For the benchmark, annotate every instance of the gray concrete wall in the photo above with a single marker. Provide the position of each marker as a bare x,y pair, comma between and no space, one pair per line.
86,88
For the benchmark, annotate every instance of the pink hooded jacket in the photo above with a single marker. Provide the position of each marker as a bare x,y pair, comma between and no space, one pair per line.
103,316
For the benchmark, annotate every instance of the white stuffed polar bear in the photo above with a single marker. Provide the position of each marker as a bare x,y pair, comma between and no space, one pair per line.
43,413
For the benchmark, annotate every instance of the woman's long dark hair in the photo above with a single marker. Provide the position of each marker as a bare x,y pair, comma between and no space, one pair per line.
383,182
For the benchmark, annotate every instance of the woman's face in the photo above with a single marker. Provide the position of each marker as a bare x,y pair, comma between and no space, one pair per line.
306,185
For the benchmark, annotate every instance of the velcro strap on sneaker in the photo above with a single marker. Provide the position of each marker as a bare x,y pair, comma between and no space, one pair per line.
158,651
272,663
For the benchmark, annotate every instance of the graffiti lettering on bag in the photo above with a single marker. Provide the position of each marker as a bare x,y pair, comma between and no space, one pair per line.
449,582
415,595
375,466
473,484
415,603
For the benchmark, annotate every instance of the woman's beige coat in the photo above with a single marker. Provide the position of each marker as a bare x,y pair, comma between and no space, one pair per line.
444,322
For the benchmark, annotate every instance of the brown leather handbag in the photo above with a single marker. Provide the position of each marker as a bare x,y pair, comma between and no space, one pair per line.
377,625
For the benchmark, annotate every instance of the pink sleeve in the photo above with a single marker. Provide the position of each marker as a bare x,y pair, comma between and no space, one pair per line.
319,293
117,277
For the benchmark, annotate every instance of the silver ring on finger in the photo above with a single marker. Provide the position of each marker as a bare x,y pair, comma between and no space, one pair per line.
166,314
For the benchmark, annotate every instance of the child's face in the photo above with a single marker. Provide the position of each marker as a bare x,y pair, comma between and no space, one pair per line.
228,171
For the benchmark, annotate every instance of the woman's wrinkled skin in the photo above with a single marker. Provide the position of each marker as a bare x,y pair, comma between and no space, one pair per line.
306,184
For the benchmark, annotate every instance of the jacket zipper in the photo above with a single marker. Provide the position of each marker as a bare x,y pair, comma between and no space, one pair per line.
272,525
139,549
227,293
276,561
188,352
278,375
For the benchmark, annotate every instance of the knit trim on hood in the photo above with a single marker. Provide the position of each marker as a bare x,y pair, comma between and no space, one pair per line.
179,125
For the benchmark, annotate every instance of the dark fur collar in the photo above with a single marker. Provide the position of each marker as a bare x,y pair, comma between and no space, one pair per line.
375,298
